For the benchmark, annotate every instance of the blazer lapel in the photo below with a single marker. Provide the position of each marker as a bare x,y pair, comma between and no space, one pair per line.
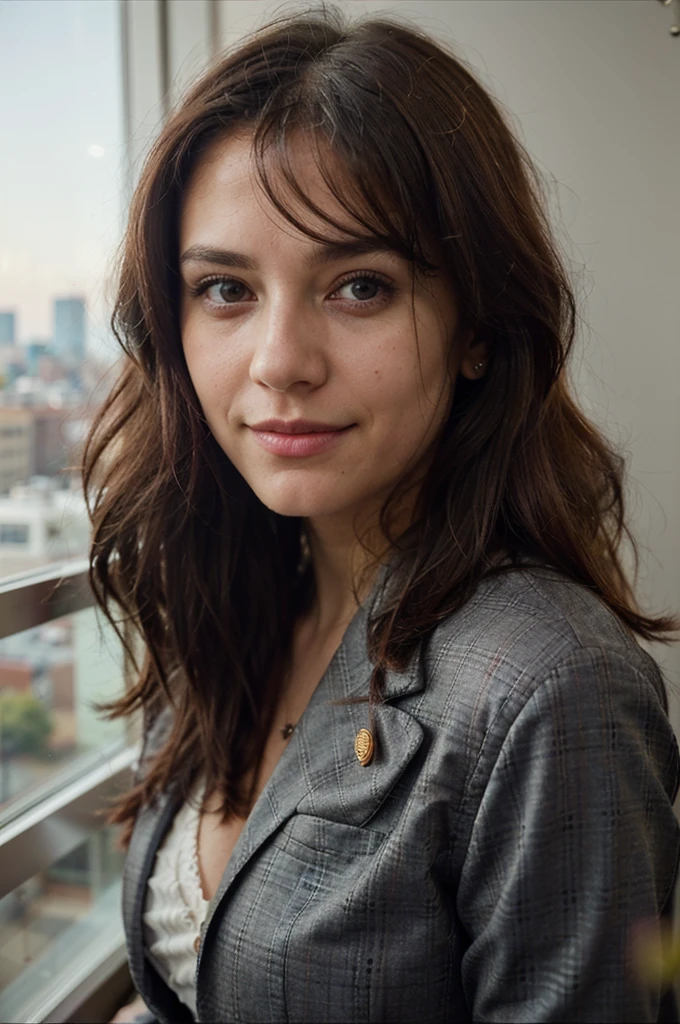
150,827
319,772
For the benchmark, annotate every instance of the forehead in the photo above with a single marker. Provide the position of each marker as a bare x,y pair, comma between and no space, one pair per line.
225,182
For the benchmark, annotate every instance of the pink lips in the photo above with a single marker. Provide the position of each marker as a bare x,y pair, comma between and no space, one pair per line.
296,438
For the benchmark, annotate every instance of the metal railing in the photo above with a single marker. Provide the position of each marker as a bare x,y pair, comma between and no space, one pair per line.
32,598
56,817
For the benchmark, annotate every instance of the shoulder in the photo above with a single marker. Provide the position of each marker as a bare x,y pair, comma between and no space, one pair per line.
524,636
536,679
519,627
562,768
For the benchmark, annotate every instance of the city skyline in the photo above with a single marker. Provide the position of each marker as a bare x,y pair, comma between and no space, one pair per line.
62,171
10,335
64,349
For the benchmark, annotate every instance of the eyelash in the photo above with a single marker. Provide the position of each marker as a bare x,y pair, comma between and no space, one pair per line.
388,289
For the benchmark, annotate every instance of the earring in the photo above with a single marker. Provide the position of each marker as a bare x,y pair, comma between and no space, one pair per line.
478,366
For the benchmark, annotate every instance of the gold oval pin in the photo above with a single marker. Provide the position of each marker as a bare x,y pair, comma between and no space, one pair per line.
363,747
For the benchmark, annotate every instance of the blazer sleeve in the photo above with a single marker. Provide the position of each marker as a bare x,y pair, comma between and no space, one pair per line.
573,841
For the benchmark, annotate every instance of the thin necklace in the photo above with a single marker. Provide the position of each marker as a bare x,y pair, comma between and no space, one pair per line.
288,728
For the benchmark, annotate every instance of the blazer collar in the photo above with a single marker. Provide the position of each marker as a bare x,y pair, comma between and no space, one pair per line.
319,772
151,826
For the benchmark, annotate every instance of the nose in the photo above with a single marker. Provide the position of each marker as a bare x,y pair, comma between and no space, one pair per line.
289,350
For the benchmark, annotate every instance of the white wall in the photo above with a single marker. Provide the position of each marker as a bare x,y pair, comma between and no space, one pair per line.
595,89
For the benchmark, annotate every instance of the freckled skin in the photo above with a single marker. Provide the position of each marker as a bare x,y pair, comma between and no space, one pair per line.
299,343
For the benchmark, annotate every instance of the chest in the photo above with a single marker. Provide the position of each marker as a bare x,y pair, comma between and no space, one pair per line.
330,921
216,838
334,858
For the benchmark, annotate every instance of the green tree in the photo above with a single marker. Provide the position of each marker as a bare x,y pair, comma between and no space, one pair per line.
25,724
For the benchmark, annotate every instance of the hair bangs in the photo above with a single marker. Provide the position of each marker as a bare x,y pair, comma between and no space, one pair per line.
358,177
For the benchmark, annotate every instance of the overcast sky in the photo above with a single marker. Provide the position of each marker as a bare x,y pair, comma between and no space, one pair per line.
61,150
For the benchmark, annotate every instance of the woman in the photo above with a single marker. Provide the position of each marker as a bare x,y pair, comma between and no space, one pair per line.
403,756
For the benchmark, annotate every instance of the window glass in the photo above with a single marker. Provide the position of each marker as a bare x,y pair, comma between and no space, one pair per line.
62,200
50,678
56,920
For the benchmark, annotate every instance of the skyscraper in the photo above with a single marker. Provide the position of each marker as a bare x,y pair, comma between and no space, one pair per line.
69,331
7,328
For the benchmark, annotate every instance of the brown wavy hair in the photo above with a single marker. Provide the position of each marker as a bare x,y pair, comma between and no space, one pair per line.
184,555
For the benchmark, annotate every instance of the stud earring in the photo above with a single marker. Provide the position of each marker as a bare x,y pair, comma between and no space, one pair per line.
478,366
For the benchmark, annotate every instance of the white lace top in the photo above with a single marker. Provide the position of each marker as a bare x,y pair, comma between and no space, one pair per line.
175,908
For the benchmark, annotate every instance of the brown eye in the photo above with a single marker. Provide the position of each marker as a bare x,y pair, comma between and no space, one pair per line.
225,292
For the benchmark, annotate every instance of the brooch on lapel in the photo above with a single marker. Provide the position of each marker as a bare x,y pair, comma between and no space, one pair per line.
363,747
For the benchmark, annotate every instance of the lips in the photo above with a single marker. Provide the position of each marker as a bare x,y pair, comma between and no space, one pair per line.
296,427
298,438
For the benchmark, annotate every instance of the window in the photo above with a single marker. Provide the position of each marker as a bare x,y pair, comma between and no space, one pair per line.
62,179
62,108
13,533
83,90
51,676
68,912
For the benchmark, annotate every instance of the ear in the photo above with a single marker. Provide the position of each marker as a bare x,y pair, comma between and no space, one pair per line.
473,356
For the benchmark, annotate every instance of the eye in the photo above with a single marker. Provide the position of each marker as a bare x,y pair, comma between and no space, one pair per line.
378,287
220,292
225,291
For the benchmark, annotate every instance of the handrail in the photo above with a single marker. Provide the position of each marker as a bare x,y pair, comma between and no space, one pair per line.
59,823
33,598
55,985
61,818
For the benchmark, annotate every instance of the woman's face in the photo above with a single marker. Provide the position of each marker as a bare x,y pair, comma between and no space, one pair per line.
305,360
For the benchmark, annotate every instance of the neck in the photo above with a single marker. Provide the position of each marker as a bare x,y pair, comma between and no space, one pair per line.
344,569
337,563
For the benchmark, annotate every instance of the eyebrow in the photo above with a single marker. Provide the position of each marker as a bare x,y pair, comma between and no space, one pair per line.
325,252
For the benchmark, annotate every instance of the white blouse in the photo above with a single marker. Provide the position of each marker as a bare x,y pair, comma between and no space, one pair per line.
175,908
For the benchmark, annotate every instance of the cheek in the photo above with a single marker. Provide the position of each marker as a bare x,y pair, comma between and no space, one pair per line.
212,366
410,388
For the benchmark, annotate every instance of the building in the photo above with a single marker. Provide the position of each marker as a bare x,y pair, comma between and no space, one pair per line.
35,351
38,440
7,328
12,365
69,331
52,444
17,447
41,523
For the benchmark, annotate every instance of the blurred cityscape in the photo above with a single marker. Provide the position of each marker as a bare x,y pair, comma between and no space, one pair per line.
53,916
64,186
50,390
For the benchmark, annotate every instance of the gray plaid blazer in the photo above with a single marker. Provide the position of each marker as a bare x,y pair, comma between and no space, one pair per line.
487,865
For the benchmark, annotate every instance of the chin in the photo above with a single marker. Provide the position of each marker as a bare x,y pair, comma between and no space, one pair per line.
306,502
299,507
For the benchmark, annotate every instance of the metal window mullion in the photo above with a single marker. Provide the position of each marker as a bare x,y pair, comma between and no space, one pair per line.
144,24
213,27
